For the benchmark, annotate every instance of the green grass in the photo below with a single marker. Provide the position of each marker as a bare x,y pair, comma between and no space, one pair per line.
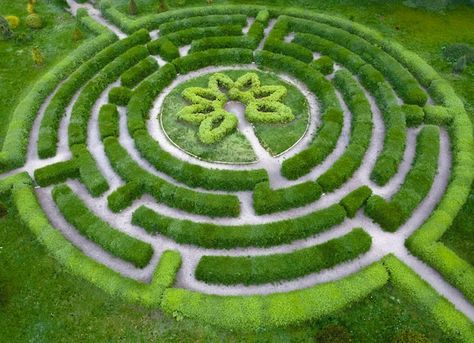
40,302
17,70
276,138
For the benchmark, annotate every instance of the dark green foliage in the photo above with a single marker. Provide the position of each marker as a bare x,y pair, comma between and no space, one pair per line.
164,48
81,111
212,205
89,173
48,135
361,128
194,175
56,173
267,200
333,334
454,52
325,142
138,72
3,212
5,31
324,64
120,96
204,21
123,196
289,49
410,337
203,59
460,65
391,214
183,37
93,228
251,270
243,42
256,32
108,121
227,237
132,7
414,114
355,200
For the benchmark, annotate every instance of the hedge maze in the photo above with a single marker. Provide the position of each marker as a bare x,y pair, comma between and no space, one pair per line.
386,151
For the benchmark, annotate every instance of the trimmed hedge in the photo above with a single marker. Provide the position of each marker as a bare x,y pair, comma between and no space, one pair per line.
184,37
257,312
93,228
194,175
414,114
323,144
212,205
437,115
289,49
138,72
120,96
324,64
57,172
391,214
48,132
13,153
81,111
225,42
202,21
226,237
203,59
267,200
361,133
32,216
108,121
252,270
164,48
355,200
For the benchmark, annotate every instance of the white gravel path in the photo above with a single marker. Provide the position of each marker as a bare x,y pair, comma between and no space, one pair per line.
383,242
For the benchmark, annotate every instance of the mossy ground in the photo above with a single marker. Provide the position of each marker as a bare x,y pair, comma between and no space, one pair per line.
276,138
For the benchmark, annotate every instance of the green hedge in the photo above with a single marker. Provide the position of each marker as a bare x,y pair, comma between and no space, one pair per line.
184,37
414,114
202,21
125,195
48,132
56,173
138,72
289,49
194,175
267,200
323,144
164,48
120,96
437,115
81,111
93,228
257,312
251,270
226,237
212,205
355,200
225,42
108,121
203,59
13,153
361,133
391,214
324,64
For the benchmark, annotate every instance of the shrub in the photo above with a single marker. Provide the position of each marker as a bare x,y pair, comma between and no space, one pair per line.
5,29
163,6
13,21
93,228
123,196
227,237
263,17
290,49
56,173
108,121
355,200
414,114
138,72
163,47
202,21
37,56
89,173
251,270
333,334
256,33
437,115
34,21
408,336
207,43
186,36
324,64
132,7
120,96
267,200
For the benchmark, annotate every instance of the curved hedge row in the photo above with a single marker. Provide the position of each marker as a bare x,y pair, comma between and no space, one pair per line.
226,237
15,144
391,214
252,270
93,228
184,37
138,72
361,133
202,21
48,132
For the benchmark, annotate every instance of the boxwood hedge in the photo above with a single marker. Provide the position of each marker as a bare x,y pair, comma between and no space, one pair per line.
138,72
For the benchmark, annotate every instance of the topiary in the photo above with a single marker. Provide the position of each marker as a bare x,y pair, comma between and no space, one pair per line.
77,35
37,56
181,2
333,334
3,210
409,336
5,31
460,65
163,6
30,8
132,7
34,21
13,21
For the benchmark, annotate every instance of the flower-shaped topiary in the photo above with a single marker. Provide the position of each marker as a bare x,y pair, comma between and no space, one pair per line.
263,105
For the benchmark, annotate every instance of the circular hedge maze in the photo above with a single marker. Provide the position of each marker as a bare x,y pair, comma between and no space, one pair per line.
246,166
